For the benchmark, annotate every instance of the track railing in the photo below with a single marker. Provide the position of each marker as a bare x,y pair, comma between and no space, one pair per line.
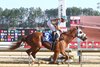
80,48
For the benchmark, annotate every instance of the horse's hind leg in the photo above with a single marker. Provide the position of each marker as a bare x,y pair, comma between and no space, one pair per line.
34,51
28,51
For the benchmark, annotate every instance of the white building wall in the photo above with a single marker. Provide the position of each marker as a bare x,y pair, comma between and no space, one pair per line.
62,8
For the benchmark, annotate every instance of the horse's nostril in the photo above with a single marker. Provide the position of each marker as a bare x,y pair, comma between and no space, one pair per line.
84,38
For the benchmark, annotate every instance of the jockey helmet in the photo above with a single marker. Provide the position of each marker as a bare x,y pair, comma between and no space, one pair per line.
63,18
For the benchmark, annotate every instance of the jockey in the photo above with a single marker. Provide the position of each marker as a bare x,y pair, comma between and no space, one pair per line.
54,25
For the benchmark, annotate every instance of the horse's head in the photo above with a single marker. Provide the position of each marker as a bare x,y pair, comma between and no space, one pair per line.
77,32
80,34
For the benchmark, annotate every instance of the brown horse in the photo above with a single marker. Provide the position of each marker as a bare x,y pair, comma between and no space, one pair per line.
35,40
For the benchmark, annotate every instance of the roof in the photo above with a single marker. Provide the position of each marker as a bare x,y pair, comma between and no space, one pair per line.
93,21
91,26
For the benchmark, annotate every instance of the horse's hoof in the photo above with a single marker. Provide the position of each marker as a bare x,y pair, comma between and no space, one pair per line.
47,62
63,57
51,58
59,63
53,63
63,62
43,62
70,60
39,62
33,63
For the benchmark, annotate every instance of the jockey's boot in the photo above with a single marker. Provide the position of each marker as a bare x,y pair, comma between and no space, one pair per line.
53,45
55,37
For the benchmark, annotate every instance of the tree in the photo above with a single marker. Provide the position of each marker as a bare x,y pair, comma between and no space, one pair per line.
1,10
52,13
74,11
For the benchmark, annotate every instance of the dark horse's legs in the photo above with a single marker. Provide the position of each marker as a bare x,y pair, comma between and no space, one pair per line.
32,53
29,51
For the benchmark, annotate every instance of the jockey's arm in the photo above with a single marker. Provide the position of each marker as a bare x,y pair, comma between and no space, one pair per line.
57,27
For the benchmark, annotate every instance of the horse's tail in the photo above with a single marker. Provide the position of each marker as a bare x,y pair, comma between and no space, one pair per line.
17,44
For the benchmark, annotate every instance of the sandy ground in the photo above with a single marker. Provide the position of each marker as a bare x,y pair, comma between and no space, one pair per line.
20,59
50,65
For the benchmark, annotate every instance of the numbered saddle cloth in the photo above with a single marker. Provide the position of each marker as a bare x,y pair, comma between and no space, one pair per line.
47,36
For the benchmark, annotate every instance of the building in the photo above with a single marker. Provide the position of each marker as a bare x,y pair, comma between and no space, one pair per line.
89,24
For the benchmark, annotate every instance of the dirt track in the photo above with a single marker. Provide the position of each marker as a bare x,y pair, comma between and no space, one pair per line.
20,59
49,65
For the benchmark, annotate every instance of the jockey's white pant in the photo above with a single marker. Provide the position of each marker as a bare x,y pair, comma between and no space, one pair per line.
58,32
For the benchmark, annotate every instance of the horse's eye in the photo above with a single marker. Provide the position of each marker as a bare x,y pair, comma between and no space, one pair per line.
80,32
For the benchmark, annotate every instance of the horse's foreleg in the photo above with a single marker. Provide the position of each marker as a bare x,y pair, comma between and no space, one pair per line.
56,54
62,49
65,55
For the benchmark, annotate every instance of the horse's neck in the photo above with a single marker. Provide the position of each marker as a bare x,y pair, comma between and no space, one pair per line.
68,38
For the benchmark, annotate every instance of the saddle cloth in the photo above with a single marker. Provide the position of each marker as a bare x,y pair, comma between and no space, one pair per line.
47,36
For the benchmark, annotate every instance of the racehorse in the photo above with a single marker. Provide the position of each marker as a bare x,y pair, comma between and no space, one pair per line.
35,40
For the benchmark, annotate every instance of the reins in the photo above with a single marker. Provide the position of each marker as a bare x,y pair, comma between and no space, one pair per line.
70,34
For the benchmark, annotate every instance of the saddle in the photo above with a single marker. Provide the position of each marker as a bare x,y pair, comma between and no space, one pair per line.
51,38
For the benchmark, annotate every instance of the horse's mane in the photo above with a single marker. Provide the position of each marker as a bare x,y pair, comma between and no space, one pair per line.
69,31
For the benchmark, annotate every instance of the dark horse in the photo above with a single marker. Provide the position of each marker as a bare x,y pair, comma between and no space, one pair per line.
35,41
